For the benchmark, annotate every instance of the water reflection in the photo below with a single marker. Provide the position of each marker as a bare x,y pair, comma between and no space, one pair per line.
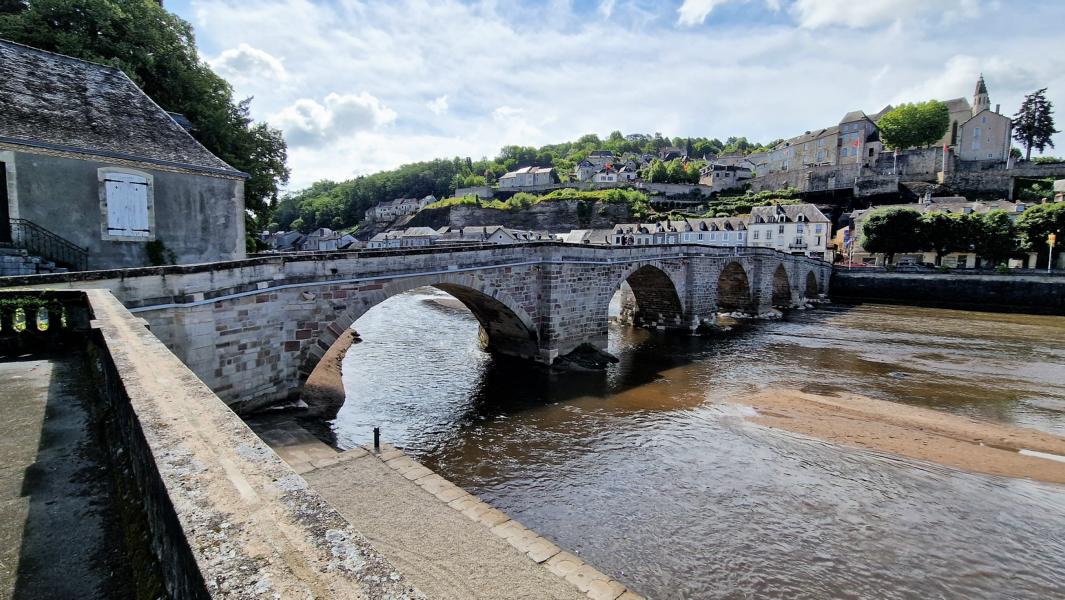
646,472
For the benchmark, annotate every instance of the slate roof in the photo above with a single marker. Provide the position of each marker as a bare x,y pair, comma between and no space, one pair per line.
767,214
53,101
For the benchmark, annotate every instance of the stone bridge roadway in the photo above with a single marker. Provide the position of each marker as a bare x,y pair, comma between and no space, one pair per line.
254,329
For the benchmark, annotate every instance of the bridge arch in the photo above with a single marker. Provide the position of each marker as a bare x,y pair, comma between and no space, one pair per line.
655,298
812,289
509,328
781,288
734,289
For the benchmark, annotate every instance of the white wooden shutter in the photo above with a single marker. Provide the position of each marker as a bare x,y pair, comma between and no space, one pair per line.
127,205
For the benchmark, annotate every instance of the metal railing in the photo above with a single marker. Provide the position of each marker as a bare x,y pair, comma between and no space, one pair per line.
38,241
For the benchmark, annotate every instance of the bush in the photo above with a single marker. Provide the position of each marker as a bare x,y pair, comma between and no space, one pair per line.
1002,269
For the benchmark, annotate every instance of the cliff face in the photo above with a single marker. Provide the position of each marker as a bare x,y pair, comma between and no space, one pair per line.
554,217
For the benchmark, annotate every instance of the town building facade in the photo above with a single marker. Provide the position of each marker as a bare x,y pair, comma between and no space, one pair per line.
792,228
528,177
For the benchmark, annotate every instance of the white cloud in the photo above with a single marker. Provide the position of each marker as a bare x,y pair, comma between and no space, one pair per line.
307,122
248,63
606,8
438,105
813,14
694,12
508,79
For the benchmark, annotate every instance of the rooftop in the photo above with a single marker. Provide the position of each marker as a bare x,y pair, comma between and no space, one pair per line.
53,101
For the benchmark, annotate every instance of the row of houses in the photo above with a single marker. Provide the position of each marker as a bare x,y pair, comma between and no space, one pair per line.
414,237
794,229
320,240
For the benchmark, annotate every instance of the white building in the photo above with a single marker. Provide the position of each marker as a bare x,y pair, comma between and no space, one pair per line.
526,177
606,174
601,158
584,170
400,207
795,229
719,231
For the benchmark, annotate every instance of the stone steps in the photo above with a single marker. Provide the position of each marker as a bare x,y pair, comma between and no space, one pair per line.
16,262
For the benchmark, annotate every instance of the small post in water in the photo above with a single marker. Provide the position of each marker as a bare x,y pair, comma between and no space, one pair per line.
376,439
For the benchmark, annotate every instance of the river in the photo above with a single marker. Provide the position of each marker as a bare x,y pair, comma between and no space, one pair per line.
647,472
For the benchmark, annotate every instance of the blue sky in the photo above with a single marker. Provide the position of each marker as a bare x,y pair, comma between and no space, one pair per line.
360,86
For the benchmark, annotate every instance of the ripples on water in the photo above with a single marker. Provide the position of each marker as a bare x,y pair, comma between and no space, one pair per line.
646,474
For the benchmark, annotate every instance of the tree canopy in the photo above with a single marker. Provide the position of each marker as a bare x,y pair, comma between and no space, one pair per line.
1033,125
157,50
1037,222
892,230
911,125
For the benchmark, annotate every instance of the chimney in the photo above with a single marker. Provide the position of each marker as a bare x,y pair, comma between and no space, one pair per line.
997,107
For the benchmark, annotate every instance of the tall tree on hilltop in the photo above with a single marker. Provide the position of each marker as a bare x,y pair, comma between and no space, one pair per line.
912,125
1033,125
157,50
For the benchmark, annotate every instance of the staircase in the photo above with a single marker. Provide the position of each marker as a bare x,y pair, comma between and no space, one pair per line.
16,261
32,249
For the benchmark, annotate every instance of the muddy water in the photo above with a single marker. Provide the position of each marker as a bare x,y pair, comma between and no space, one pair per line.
646,472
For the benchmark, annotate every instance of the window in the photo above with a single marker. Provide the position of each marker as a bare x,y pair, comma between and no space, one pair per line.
780,229
126,204
976,138
727,236
713,235
819,228
983,119
769,234
756,234
799,228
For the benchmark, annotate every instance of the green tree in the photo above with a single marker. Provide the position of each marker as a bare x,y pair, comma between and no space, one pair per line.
1037,223
911,125
298,225
944,233
1033,125
892,230
157,50
657,172
995,236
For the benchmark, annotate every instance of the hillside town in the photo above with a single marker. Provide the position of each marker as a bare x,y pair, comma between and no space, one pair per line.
973,156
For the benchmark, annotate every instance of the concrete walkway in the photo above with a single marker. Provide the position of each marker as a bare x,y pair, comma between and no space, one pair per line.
54,490
446,541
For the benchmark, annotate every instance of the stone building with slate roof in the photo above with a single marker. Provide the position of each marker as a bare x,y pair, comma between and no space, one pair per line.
87,156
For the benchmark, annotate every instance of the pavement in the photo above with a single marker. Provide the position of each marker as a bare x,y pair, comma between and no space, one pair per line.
55,539
446,541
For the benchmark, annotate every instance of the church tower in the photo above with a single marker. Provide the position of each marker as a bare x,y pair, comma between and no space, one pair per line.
981,101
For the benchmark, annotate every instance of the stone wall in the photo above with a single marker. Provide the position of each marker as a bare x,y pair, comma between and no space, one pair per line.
200,218
1003,293
226,517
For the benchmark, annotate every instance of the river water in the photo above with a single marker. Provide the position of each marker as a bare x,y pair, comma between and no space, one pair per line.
650,476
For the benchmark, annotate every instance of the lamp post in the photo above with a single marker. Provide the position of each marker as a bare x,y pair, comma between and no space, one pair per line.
1051,239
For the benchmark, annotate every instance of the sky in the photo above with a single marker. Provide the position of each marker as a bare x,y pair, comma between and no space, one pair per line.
362,86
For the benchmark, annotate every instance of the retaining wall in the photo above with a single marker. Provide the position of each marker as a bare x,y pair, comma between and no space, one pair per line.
999,293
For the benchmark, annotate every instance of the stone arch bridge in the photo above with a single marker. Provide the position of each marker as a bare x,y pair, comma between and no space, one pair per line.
254,329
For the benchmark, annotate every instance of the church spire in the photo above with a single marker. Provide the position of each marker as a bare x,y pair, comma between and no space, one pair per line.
981,100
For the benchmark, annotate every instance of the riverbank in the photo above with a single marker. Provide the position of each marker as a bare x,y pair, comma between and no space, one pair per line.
449,542
913,432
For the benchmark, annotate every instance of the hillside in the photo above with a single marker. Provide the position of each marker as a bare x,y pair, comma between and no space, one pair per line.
339,205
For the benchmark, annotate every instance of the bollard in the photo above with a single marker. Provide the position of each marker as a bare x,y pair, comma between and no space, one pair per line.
376,439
